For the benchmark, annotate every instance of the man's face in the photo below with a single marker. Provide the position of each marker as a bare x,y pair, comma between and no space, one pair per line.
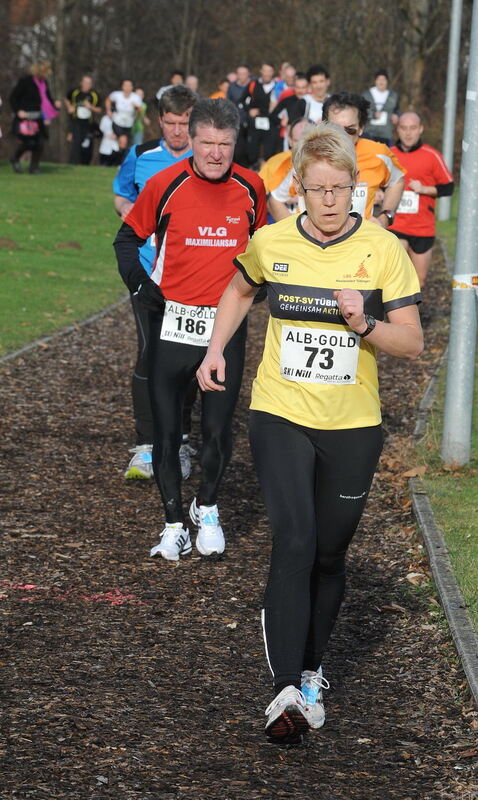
301,87
176,79
175,130
86,84
127,87
243,76
409,130
348,119
213,150
319,86
381,83
267,73
289,76
297,131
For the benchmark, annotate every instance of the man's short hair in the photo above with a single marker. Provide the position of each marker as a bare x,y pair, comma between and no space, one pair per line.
176,100
325,142
218,113
176,72
317,69
341,100
381,72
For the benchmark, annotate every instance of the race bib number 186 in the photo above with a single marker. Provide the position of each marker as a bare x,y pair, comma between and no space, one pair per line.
187,324
318,355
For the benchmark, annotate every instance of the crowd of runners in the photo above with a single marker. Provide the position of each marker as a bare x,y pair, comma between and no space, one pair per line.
274,188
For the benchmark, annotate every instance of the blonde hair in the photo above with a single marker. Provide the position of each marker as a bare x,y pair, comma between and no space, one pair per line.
41,69
325,142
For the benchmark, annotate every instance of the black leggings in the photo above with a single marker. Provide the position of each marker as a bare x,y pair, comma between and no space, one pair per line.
315,485
35,145
171,368
139,384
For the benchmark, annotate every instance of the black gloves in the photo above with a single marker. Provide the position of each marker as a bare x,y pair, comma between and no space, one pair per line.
150,295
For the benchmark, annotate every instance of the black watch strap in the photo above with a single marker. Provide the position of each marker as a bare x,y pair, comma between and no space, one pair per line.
371,322
389,214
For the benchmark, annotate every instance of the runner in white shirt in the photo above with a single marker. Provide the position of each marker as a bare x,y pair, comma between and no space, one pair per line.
123,106
319,82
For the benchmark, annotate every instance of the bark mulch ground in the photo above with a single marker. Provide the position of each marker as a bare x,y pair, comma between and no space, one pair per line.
133,679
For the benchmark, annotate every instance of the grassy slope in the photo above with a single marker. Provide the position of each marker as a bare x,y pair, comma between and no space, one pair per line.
454,494
60,265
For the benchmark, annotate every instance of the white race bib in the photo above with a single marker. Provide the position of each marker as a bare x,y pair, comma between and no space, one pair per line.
318,355
359,199
381,119
409,203
187,324
82,112
262,123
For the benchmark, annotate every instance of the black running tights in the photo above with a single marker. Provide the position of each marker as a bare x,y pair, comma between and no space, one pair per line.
171,368
315,485
139,384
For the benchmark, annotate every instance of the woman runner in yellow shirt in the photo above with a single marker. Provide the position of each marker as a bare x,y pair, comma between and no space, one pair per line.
315,422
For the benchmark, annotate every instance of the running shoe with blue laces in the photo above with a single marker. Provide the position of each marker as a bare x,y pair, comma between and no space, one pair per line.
210,538
141,465
311,687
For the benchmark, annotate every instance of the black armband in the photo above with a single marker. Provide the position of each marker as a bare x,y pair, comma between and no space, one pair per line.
445,189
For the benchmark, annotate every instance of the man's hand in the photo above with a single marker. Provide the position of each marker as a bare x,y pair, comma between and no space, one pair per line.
150,295
212,363
416,186
350,303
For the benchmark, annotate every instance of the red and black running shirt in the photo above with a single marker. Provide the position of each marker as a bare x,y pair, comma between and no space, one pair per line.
200,226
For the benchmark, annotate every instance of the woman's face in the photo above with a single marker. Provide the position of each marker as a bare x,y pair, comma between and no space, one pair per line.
328,214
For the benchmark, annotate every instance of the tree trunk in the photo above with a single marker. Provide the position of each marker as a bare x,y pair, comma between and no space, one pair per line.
60,81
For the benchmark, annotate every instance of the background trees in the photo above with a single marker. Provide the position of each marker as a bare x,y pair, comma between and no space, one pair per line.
145,40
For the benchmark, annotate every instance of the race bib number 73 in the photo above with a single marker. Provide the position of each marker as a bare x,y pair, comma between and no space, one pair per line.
318,355
187,324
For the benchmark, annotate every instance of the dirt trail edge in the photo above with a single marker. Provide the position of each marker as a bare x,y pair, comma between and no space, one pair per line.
132,679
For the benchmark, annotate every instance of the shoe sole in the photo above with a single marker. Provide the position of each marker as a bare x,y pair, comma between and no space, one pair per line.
213,556
135,474
171,558
289,728
315,725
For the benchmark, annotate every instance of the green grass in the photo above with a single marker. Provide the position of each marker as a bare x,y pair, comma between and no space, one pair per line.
447,230
57,264
453,493
454,499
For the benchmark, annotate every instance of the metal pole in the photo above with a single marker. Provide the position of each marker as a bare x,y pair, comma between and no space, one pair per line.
444,205
462,345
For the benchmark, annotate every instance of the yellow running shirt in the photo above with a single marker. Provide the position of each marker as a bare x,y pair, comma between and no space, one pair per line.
315,371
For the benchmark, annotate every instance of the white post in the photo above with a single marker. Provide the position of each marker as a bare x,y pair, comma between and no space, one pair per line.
444,204
462,345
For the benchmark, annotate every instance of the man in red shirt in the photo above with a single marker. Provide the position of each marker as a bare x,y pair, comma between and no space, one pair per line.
203,211
427,177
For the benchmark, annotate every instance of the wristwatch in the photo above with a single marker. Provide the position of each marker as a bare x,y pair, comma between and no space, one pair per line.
389,214
371,322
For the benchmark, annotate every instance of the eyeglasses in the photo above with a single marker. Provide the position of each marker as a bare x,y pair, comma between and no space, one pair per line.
321,191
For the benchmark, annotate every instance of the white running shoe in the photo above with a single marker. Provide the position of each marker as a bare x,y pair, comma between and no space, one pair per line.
210,539
174,542
311,687
141,465
185,453
286,717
